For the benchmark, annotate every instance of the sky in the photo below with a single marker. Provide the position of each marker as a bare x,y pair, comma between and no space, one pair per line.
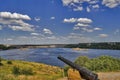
59,21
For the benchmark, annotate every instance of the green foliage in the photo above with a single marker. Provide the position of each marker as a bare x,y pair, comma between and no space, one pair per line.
9,62
1,61
102,63
16,70
1,64
65,70
82,60
3,47
24,71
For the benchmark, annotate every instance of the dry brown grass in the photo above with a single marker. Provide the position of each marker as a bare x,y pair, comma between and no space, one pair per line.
74,75
109,75
40,71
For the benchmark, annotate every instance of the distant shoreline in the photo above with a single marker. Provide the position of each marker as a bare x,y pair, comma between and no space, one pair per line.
103,45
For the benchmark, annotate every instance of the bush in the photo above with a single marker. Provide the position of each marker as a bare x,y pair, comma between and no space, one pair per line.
66,69
22,71
1,64
26,71
102,63
16,70
1,61
9,62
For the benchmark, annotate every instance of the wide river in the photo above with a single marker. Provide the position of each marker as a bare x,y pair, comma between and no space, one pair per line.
49,55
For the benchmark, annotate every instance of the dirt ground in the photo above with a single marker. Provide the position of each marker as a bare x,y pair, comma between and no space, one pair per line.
104,76
109,76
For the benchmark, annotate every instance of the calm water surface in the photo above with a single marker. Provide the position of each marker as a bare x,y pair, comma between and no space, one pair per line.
49,55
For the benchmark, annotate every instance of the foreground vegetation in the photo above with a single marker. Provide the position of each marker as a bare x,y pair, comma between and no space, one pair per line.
103,45
99,64
107,67
21,70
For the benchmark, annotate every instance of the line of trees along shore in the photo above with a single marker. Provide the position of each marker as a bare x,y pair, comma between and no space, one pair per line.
3,47
103,45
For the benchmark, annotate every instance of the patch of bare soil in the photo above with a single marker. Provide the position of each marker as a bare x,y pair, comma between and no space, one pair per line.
109,76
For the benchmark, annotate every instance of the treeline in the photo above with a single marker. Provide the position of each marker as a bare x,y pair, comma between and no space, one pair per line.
3,47
99,64
104,45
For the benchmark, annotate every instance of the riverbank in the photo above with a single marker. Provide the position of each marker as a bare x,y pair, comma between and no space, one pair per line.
22,70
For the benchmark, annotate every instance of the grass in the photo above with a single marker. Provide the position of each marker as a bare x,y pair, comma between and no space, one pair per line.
22,70
73,75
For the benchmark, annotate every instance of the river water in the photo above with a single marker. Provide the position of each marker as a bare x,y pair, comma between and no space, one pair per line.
49,55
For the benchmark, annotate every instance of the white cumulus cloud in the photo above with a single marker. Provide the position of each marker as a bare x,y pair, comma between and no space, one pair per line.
10,15
81,25
71,20
34,34
103,35
84,20
52,17
84,24
80,20
21,28
79,5
87,29
97,28
15,21
111,3
37,19
47,31
88,9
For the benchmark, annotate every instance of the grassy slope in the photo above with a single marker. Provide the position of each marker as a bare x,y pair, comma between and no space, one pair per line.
41,71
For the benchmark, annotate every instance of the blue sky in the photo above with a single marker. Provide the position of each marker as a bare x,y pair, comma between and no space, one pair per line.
59,21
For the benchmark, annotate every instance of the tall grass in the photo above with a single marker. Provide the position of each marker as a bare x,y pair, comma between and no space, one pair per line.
21,70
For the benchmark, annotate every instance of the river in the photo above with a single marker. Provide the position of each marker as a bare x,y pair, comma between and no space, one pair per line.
49,55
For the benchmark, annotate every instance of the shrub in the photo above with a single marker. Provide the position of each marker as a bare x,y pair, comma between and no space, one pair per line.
26,71
66,69
102,63
1,64
1,61
16,70
22,71
9,62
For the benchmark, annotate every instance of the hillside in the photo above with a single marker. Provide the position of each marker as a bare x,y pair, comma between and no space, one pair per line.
21,70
